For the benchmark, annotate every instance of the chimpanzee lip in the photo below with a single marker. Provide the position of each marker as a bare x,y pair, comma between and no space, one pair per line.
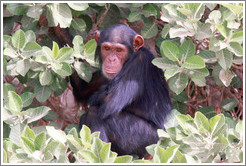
110,71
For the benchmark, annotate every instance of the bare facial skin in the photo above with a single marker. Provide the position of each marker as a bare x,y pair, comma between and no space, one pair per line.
114,56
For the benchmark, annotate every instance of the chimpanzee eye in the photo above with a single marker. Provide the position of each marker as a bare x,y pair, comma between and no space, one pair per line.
106,48
118,49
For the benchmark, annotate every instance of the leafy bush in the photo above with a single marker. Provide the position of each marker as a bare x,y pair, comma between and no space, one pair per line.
200,51
193,140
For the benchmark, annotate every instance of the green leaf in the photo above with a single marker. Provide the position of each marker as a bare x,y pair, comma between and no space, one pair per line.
197,9
229,104
236,48
89,156
30,36
47,53
201,122
52,147
51,116
237,9
135,16
208,56
171,119
215,17
165,156
27,145
149,30
174,13
57,135
204,31
7,41
32,46
27,98
17,8
185,11
105,153
15,133
170,50
181,97
141,161
201,82
42,93
164,63
74,143
226,77
187,49
5,157
237,37
239,127
217,125
180,32
170,72
197,73
59,13
78,45
182,119
40,141
178,83
45,78
216,71
35,11
149,10
96,147
151,148
55,50
165,31
220,144
78,6
84,71
90,47
19,39
179,158
214,44
42,59
207,111
28,133
78,24
37,113
23,66
15,102
85,134
233,24
123,159
7,87
194,62
19,158
10,52
222,29
62,69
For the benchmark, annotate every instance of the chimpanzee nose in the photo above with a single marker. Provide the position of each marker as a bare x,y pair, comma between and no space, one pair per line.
112,58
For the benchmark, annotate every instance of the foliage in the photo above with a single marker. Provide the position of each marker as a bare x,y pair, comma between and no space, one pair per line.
201,53
195,140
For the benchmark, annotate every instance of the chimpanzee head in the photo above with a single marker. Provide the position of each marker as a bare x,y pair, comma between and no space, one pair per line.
114,46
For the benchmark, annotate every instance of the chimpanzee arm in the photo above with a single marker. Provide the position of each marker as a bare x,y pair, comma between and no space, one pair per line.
122,95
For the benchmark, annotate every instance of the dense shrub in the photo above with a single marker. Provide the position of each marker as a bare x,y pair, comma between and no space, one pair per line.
199,46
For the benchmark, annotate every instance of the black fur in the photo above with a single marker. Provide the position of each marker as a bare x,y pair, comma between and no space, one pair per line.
129,109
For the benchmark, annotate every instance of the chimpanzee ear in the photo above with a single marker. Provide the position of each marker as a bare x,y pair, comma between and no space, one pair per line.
138,42
97,35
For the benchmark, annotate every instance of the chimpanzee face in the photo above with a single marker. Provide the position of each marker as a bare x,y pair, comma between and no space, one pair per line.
115,46
113,56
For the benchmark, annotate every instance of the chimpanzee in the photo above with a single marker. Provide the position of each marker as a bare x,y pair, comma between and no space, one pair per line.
133,100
